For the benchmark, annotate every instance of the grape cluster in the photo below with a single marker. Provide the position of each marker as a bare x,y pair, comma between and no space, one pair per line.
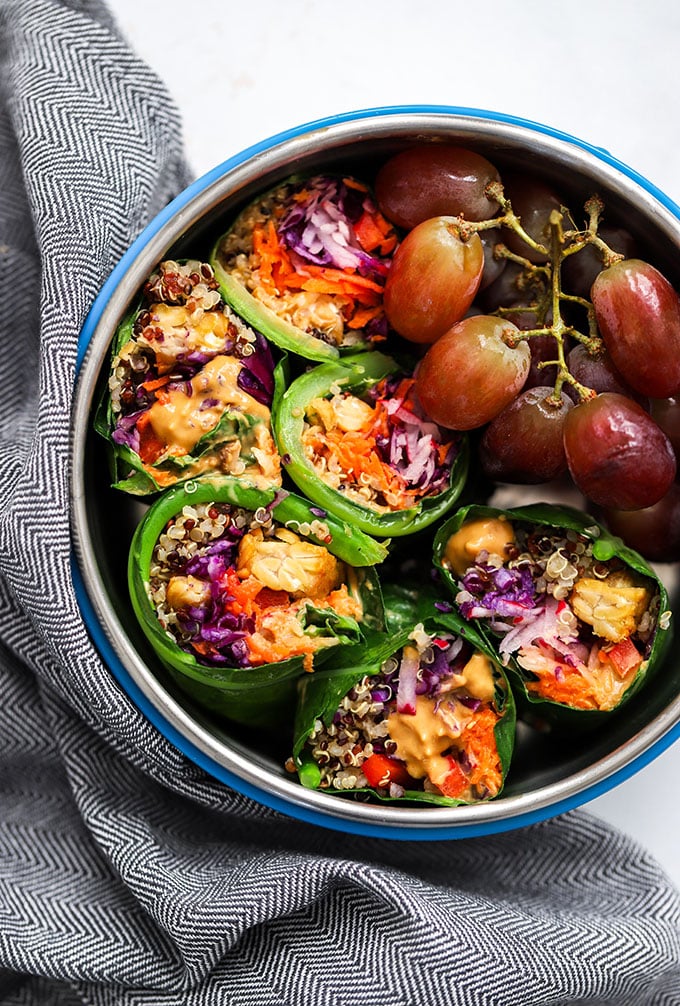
555,342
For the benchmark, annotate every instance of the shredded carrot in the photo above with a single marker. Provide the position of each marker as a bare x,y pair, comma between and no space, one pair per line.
353,183
324,279
276,643
275,264
346,279
480,746
201,646
375,233
244,593
151,447
277,273
362,316
357,455
164,479
155,384
442,451
571,690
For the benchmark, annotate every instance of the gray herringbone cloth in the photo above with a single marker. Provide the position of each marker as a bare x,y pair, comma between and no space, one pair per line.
127,875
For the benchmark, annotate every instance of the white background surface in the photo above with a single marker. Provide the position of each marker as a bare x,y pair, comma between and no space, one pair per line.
606,72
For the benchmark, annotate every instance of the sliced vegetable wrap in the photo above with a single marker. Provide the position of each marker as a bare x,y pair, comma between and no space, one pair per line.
306,265
240,591
425,715
355,439
581,620
191,388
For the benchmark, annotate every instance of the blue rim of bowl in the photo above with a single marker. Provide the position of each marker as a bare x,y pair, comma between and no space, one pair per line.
101,641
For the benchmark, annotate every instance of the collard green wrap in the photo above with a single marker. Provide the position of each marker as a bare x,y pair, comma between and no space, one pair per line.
191,388
306,263
503,610
237,687
367,406
321,696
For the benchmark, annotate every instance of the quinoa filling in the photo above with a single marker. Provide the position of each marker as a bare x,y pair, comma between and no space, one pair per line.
235,588
315,253
580,628
378,450
425,722
191,389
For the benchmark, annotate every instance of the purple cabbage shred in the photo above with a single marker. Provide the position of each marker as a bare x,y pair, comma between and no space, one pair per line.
257,373
412,447
320,229
508,593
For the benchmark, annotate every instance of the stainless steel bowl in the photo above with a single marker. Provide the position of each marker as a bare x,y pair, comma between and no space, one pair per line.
549,775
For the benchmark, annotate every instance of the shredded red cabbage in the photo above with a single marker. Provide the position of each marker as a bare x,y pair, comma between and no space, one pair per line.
319,229
445,662
494,591
257,373
542,625
126,433
412,447
222,630
256,377
424,674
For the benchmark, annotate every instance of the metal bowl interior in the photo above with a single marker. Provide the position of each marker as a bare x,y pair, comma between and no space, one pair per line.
551,773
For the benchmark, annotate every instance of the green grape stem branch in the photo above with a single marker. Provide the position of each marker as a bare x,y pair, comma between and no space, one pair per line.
547,279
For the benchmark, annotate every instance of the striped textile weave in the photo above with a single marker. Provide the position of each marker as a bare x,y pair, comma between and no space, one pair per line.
127,875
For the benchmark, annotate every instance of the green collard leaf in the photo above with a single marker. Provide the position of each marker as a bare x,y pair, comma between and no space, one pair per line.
326,623
605,548
133,476
321,695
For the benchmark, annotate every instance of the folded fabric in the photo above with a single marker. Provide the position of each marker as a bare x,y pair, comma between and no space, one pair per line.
127,875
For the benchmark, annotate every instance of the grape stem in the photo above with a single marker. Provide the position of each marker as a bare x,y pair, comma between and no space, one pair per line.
508,218
558,327
563,243
594,208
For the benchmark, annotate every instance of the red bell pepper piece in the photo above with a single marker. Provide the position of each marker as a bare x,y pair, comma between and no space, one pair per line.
381,770
624,656
455,782
151,447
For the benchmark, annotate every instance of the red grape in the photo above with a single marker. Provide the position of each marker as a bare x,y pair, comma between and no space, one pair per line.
653,531
533,202
433,279
666,412
493,267
579,271
616,453
504,291
638,313
435,180
541,347
525,442
596,371
470,374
